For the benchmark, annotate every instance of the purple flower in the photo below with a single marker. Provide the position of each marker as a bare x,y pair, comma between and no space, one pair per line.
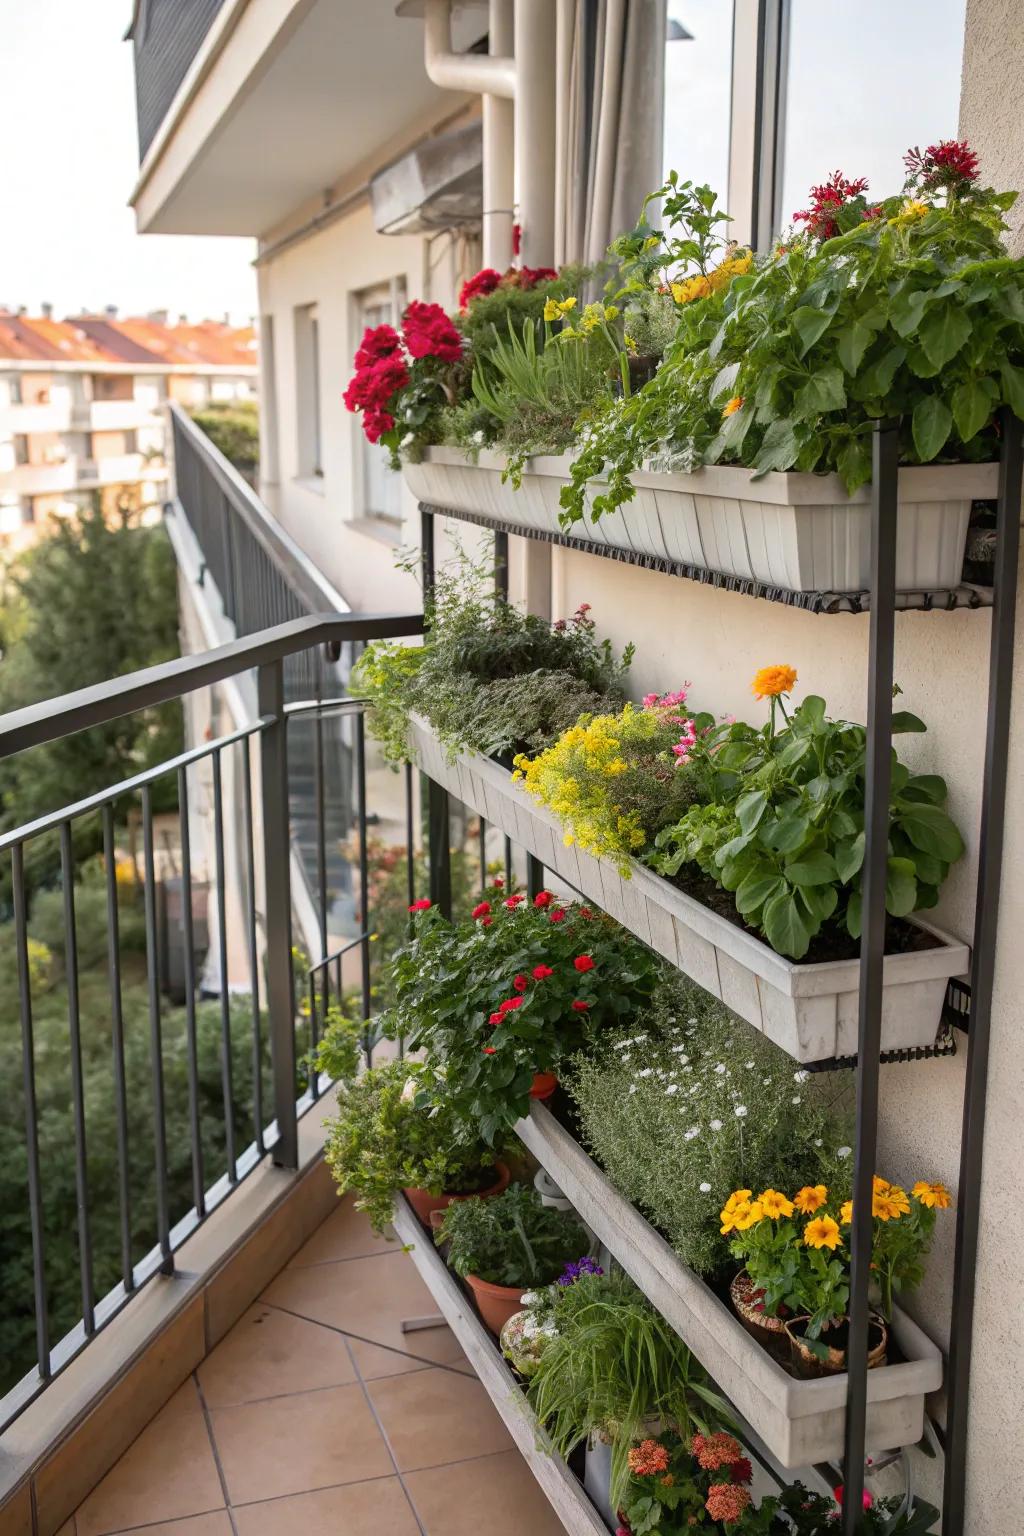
572,1272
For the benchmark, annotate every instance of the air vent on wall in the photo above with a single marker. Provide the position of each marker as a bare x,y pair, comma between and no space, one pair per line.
438,185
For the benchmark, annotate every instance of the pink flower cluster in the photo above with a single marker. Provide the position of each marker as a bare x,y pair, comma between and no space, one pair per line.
666,702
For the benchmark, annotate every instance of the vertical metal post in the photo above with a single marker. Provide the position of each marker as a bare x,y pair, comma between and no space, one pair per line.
156,1043
534,876
188,943
28,1064
226,1062
117,1045
878,778
427,553
254,949
482,846
364,878
501,564
997,739
67,875
439,844
278,916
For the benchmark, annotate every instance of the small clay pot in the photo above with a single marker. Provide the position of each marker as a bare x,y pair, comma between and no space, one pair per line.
770,1332
423,1202
496,1303
544,1085
810,1364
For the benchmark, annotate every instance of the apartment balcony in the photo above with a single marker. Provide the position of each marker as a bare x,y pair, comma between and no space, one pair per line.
49,416
41,479
119,469
114,415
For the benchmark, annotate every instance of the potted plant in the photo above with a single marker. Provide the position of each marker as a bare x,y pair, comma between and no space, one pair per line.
502,998
507,1245
796,1253
394,1130
614,1371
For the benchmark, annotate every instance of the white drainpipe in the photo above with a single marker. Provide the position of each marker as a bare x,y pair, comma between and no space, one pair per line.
528,80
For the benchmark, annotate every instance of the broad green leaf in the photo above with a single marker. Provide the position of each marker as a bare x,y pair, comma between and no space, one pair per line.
932,424
755,890
900,887
927,786
852,342
904,722
785,835
809,324
943,332
816,868
819,901
972,406
906,310
823,391
1013,388
723,381
784,926
854,463
812,711
853,915
779,447
876,380
930,829
750,808
849,858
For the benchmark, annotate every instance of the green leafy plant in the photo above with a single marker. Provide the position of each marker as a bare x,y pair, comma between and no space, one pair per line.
511,992
612,1366
340,1048
690,1104
784,829
908,309
511,1239
393,1130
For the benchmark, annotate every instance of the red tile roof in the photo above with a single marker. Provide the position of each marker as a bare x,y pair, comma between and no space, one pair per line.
100,339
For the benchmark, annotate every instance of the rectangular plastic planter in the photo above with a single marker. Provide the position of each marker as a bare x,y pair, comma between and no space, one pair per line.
809,1010
797,531
800,1422
564,1492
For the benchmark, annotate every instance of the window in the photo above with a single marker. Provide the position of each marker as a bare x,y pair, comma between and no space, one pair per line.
14,389
307,391
381,486
20,448
859,87
698,92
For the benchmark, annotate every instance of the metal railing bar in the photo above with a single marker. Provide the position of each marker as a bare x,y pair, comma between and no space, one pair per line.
339,954
326,707
155,1033
117,1043
31,1118
220,876
189,962
67,874
108,701
254,957
364,879
105,797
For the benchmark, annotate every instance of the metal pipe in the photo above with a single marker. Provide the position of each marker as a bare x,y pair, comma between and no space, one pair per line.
877,783
535,130
498,120
475,73
986,924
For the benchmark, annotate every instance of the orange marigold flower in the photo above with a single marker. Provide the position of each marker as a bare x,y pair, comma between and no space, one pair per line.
714,1451
726,1502
811,1198
648,1458
769,682
822,1232
732,406
934,1195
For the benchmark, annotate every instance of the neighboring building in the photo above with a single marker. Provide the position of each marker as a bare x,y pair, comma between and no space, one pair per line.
82,407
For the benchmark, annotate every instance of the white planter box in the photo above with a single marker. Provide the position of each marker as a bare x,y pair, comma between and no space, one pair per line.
800,1422
809,1010
797,531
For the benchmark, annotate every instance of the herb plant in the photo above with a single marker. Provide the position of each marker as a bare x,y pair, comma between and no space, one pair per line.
689,1104
395,1130
613,1365
511,1239
510,992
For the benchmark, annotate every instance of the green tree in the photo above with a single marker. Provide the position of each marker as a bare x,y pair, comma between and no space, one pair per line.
234,427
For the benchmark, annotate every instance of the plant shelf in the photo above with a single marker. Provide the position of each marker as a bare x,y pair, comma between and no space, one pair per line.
800,1422
808,1010
563,1490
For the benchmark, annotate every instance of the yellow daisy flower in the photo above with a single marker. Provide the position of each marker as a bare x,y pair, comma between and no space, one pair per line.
811,1198
822,1232
936,1196
774,1204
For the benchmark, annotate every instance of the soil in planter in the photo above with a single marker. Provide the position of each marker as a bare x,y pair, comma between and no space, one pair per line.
832,943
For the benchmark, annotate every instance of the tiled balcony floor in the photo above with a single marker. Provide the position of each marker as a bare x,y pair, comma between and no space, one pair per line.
316,1414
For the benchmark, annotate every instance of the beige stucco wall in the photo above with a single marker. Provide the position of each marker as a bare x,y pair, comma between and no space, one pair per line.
990,97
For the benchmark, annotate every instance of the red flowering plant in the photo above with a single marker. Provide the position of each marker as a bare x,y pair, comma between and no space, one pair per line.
511,992
402,382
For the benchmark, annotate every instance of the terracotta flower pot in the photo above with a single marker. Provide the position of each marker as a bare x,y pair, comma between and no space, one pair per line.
544,1085
810,1364
770,1332
496,1303
423,1202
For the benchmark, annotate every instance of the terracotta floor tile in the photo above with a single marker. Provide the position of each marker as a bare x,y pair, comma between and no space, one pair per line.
217,1524
496,1494
346,1234
167,1473
432,1417
369,1297
268,1353
379,1508
185,1400
296,1444
433,1346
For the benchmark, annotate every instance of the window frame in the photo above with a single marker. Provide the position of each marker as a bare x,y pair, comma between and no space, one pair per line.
391,296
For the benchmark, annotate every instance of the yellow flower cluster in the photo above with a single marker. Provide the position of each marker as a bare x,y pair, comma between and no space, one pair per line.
889,1202
912,210
701,287
556,309
577,779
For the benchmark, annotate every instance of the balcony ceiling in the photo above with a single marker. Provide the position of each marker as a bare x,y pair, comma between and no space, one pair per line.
285,101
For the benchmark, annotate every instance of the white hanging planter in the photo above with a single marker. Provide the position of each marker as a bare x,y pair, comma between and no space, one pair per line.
800,1422
796,531
809,1010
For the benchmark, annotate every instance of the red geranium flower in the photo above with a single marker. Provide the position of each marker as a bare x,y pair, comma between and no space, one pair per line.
428,332
481,910
486,922
421,905
579,1006
513,901
557,915
510,1004
495,1018
489,1050
378,341
583,963
543,899
585,912
542,972
521,983
517,239
483,282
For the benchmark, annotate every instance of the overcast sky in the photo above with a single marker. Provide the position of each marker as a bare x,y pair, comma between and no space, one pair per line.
68,160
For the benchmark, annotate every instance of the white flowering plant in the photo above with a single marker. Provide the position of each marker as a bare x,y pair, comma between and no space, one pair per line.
692,1105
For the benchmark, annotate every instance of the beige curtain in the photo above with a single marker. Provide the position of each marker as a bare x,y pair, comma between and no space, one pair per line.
610,61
